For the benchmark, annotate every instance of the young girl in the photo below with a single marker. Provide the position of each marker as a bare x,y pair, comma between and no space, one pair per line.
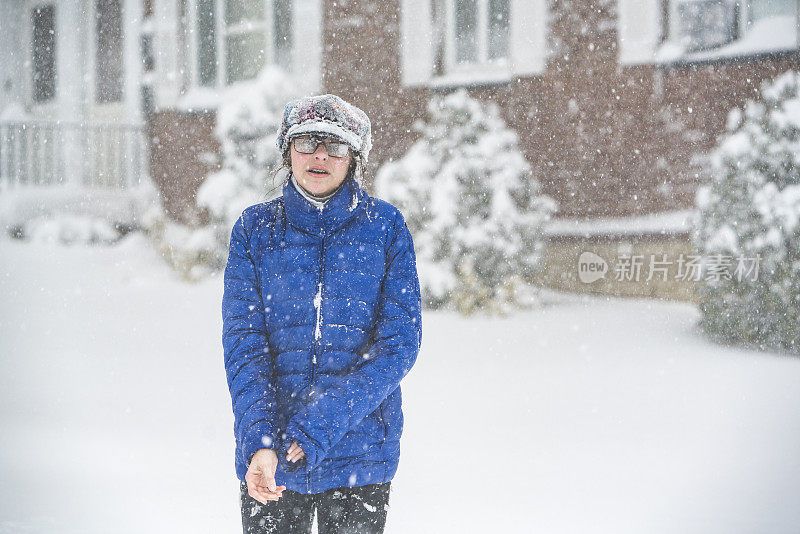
321,320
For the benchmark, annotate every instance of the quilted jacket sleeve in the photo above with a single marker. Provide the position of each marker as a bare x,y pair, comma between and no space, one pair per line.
397,337
248,363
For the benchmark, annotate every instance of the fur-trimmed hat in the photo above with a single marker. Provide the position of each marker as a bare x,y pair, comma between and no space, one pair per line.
329,115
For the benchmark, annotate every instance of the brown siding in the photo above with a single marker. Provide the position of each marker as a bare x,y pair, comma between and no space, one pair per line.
177,142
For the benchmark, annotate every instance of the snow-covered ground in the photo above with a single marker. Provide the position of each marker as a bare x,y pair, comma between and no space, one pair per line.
588,415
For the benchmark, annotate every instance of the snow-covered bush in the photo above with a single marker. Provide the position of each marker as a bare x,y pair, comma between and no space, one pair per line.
190,250
749,218
73,215
472,204
248,119
70,229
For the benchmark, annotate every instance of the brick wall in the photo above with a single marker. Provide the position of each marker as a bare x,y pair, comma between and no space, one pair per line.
178,165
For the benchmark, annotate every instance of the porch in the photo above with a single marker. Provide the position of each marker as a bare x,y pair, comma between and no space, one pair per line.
49,168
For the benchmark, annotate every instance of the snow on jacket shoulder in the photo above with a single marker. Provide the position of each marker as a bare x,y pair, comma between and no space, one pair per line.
321,320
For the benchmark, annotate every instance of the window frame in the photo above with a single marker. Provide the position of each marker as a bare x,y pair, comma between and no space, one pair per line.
223,31
483,69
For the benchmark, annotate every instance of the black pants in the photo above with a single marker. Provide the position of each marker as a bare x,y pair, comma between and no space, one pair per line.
360,510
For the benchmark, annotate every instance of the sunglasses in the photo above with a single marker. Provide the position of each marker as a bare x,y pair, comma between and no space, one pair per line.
308,144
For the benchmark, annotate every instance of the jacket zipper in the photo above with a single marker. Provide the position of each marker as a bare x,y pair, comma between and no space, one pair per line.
318,306
317,326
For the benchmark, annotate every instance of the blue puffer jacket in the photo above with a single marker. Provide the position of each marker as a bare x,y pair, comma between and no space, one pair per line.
321,319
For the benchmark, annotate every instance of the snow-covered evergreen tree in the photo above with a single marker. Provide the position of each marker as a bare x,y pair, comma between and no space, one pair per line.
749,217
248,119
472,204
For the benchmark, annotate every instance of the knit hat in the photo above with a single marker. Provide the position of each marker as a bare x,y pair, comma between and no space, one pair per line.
329,115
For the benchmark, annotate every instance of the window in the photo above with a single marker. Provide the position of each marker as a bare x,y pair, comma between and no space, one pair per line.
456,43
44,53
466,31
148,100
498,29
244,34
704,24
146,51
760,11
470,33
148,58
108,51
282,24
738,25
206,43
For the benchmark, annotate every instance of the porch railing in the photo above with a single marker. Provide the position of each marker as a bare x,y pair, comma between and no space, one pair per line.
42,153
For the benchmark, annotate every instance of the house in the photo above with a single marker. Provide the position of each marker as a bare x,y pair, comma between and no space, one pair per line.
615,101
71,119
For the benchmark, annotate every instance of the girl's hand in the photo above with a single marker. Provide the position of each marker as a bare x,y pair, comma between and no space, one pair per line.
260,477
294,453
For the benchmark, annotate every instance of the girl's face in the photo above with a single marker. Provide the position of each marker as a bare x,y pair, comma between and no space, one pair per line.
319,173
